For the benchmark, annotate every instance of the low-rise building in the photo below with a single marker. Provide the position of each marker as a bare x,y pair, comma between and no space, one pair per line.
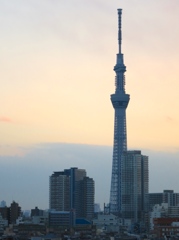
59,219
166,227
3,224
36,212
107,222
158,211
163,211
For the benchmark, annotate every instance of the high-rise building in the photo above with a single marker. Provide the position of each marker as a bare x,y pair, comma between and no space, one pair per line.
85,198
134,186
59,197
120,102
72,190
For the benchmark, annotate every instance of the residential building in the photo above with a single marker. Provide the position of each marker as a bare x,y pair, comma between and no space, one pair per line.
134,186
15,211
40,220
166,228
167,196
85,198
158,211
72,190
3,203
97,208
59,191
37,212
5,213
61,218
11,213
3,223
173,211
107,222
163,211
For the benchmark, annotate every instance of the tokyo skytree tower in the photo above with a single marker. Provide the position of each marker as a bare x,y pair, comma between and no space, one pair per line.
119,101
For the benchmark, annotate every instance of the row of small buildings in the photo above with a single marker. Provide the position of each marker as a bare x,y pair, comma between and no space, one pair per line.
164,221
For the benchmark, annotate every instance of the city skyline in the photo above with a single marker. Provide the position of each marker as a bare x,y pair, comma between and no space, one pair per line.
57,74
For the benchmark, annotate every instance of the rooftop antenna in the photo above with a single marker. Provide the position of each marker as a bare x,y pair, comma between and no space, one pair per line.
119,29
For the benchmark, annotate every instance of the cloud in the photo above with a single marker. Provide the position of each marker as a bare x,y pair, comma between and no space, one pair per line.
10,151
5,119
28,183
169,119
31,172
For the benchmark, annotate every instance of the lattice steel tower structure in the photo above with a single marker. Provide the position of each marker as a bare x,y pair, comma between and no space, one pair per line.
119,101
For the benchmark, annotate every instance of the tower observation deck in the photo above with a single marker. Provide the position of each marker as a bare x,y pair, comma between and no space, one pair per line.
120,102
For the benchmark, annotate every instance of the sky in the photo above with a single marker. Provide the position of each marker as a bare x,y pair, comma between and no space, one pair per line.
56,77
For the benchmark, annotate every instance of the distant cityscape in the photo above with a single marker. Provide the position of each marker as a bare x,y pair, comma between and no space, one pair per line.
132,212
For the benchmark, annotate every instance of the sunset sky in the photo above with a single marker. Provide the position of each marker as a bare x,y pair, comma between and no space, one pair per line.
56,77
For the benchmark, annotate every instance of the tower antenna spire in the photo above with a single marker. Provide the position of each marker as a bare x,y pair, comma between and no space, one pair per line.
119,29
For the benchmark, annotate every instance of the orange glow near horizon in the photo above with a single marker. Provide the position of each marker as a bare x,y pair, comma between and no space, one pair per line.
57,73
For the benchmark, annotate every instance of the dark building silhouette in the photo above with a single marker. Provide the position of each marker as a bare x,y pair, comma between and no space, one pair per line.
36,212
11,213
5,213
15,212
85,198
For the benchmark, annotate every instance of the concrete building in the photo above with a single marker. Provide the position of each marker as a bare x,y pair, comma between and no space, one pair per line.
173,211
163,211
3,203
85,198
11,213
71,190
61,219
59,191
107,222
15,211
134,186
168,196
37,212
158,211
43,220
166,228
3,223
5,213
97,208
